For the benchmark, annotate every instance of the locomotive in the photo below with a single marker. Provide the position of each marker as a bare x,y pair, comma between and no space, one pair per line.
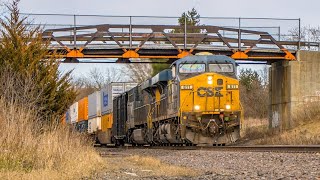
195,102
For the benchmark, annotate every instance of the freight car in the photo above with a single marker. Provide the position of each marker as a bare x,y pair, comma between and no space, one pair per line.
100,117
94,114
195,102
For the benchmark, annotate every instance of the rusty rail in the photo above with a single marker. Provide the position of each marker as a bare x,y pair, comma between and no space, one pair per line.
260,148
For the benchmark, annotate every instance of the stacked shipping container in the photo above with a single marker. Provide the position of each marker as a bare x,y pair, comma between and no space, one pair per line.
107,95
82,121
67,115
73,112
94,114
63,119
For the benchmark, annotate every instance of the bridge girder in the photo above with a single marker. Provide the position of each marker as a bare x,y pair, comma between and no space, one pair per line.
161,42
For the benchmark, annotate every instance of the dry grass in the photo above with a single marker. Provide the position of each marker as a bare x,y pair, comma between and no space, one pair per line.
306,134
305,129
253,128
31,151
145,167
303,133
159,168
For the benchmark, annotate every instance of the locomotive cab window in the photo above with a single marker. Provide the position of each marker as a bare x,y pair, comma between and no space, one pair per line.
221,68
192,68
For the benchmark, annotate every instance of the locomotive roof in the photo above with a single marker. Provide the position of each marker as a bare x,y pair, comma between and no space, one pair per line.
205,59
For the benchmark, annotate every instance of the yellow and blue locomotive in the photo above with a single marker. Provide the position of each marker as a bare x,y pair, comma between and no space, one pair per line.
195,102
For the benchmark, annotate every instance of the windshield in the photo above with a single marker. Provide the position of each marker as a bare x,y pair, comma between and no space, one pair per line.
220,68
192,68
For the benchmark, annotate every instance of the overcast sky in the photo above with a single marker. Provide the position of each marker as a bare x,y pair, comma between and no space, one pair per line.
307,10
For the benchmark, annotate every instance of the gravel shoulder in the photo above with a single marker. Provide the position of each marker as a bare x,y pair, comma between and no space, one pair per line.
204,164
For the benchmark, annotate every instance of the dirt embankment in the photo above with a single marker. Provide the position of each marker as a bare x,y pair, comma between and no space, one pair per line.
256,131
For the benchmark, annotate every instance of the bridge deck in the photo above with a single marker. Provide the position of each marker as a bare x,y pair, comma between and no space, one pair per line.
167,42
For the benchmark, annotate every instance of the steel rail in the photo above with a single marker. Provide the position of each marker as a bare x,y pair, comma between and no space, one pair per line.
258,148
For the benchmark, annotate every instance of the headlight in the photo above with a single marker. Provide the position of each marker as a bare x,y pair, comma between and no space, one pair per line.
196,107
228,107
210,80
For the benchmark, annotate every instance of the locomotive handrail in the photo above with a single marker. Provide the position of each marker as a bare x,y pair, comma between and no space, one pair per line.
150,104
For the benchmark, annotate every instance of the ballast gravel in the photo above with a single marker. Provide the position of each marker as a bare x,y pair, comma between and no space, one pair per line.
232,165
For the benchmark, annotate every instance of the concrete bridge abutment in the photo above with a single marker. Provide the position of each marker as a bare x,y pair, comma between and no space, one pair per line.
292,85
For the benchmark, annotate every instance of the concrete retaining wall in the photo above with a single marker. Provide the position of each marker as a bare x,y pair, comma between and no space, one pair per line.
293,85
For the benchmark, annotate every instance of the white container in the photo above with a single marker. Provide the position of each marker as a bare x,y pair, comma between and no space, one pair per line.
110,92
92,126
94,102
129,86
73,113
98,120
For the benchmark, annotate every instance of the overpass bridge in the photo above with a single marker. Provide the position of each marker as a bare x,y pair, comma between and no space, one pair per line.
164,40
125,41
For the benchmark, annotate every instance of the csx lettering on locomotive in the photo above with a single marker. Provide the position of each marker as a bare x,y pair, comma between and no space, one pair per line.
209,92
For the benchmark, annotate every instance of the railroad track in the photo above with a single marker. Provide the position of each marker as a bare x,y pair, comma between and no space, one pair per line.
260,148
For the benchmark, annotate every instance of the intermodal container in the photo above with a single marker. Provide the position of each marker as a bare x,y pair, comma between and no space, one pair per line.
129,86
93,125
83,109
68,116
106,122
94,102
63,119
110,92
82,126
74,113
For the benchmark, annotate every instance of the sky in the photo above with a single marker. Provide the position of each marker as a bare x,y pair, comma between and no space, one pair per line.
307,10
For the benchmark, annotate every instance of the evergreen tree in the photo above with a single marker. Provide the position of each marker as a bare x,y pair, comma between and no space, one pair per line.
250,79
156,68
192,18
254,94
23,51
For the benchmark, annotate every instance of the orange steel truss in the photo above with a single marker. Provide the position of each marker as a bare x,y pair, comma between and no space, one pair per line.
161,42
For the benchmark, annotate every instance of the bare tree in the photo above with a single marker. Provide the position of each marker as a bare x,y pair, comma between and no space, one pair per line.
97,79
139,72
307,34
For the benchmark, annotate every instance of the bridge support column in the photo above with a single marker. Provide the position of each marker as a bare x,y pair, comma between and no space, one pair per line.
292,85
